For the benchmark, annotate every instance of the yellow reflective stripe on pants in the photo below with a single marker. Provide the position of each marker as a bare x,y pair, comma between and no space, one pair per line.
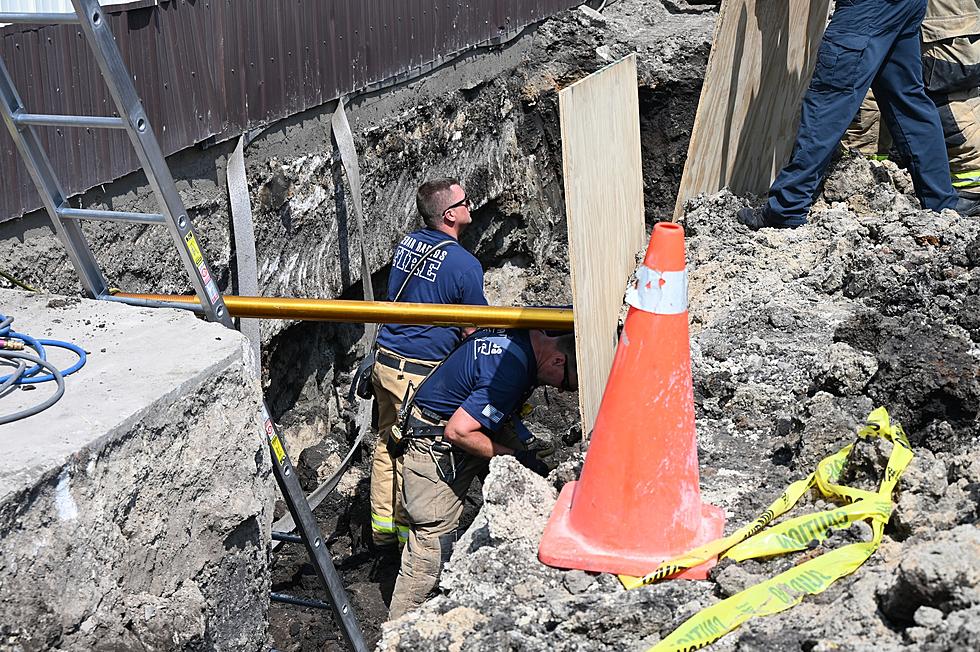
966,179
380,524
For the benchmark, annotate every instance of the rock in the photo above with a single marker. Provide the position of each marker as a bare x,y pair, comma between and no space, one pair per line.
959,631
578,581
845,371
928,617
734,578
942,572
928,501
851,175
593,16
451,629
517,502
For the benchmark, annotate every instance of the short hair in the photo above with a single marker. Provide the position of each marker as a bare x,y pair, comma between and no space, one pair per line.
432,198
566,344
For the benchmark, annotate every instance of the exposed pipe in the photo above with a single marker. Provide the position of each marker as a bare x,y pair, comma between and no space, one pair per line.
378,312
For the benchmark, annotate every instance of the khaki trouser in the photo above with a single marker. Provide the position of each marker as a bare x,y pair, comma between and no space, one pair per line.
959,113
388,524
434,484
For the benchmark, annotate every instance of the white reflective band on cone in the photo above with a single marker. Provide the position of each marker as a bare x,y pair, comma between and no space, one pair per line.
662,293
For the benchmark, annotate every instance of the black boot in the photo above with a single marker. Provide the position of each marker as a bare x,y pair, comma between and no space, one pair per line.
754,218
968,207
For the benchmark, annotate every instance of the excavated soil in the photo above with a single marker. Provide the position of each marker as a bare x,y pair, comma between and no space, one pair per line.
796,336
518,234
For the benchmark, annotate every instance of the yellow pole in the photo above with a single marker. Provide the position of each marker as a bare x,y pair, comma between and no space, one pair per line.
381,312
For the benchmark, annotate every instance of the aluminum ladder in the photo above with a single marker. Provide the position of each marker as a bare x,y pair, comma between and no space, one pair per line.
132,118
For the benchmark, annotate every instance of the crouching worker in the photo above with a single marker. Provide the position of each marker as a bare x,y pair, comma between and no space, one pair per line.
453,425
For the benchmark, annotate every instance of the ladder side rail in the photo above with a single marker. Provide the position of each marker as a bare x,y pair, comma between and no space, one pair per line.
316,545
95,26
158,173
49,188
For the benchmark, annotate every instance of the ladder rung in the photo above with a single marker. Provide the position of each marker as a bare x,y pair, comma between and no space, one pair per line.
301,602
37,18
286,537
94,121
110,216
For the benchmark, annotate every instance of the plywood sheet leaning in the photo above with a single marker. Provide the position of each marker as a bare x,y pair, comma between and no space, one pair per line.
761,60
600,135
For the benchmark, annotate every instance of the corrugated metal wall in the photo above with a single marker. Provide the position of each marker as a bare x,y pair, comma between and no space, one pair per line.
215,68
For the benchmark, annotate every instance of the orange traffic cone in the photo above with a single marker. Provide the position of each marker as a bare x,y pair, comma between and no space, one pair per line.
638,502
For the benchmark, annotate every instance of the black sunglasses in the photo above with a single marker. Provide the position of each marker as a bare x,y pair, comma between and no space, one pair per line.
465,201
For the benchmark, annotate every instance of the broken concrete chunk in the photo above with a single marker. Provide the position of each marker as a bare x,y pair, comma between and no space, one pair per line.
942,572
845,370
592,15
518,502
577,581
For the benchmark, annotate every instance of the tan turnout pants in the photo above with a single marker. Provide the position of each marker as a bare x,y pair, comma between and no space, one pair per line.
433,500
388,524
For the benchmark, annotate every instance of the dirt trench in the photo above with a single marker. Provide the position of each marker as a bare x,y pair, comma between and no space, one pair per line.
796,336
519,237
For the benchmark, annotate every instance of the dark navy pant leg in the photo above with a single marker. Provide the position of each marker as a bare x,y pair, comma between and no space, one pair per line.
912,119
843,73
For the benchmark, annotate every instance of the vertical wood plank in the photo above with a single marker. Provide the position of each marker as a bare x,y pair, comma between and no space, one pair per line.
761,60
600,134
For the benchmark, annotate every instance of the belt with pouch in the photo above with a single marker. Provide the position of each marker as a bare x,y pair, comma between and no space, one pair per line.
424,424
395,362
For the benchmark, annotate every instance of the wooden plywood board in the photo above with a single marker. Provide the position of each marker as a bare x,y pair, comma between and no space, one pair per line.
761,60
600,134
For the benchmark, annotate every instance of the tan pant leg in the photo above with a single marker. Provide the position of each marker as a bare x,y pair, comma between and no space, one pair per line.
388,524
960,116
433,507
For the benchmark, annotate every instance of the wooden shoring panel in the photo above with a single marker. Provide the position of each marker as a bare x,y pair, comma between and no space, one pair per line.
761,60
600,135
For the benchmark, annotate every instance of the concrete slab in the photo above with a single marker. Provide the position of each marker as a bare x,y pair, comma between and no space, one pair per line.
136,357
135,512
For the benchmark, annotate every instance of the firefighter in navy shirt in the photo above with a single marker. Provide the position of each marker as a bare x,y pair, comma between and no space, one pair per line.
459,418
406,354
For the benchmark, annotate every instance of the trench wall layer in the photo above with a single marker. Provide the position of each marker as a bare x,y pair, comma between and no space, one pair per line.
136,511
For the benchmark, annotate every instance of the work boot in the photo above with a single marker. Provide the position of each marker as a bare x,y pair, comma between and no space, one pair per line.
967,207
759,218
754,218
387,559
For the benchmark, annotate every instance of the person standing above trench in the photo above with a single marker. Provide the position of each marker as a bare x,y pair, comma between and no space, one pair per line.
951,74
459,418
868,44
406,354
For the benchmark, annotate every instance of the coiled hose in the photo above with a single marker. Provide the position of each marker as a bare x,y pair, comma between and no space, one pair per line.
31,369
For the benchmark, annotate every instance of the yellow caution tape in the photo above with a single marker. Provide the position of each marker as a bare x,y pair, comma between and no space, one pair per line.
812,577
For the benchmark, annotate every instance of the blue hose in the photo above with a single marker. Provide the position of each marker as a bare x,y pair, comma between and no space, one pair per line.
29,377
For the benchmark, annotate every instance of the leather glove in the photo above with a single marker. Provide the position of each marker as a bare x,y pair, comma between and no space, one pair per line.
538,456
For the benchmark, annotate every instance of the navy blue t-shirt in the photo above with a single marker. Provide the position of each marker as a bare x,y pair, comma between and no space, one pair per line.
450,275
487,376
